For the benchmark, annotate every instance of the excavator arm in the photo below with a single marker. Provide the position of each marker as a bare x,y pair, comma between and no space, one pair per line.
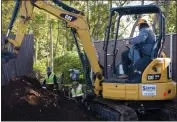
74,19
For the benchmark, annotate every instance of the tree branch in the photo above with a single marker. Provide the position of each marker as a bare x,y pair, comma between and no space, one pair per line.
125,28
155,18
134,26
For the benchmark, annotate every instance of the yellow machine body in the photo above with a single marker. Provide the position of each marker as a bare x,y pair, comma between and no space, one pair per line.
163,88
152,91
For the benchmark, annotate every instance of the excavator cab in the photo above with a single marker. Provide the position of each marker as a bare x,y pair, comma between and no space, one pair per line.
152,70
133,10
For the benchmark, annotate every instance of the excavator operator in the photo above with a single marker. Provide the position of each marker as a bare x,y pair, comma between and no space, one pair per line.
50,80
142,46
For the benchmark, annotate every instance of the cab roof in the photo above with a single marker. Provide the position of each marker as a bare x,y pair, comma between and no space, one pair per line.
138,9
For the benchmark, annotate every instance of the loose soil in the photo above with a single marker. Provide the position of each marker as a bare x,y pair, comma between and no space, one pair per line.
23,99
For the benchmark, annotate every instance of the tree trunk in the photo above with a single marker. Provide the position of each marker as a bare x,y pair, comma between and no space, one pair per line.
122,2
87,11
93,30
66,37
125,28
97,25
63,46
36,50
167,5
155,18
51,47
48,40
154,22
113,23
57,39
63,49
134,26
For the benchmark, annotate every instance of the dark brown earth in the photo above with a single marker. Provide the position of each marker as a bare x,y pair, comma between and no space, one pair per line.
24,99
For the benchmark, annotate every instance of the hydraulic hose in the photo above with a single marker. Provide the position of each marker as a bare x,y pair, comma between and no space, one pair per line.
66,7
14,15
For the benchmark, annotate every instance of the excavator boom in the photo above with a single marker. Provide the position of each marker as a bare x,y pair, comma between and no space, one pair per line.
74,19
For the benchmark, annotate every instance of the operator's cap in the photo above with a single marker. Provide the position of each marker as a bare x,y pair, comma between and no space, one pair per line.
141,21
49,68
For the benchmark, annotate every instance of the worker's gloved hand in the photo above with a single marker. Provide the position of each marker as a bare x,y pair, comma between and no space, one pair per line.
4,59
43,85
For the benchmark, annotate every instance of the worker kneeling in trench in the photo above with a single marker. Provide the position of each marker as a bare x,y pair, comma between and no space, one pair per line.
77,88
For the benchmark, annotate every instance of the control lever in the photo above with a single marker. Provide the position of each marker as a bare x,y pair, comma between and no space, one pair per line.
127,47
117,49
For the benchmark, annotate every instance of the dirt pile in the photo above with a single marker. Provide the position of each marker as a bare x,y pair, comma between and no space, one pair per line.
24,99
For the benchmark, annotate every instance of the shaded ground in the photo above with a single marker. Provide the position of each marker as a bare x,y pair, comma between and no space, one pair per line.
24,99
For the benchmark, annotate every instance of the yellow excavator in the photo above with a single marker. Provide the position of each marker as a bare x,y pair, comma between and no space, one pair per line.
148,85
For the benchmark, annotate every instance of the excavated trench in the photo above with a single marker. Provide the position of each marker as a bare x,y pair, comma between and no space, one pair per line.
23,99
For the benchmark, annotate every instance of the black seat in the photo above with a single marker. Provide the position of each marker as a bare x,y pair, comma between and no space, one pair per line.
155,49
142,63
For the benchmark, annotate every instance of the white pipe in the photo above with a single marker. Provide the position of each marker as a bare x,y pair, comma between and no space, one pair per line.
171,46
171,54
91,76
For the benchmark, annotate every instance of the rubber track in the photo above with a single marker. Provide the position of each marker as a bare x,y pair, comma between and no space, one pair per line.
171,109
126,113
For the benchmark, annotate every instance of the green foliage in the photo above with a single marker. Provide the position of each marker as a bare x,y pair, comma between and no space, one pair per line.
68,61
6,9
169,11
40,66
171,19
97,13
